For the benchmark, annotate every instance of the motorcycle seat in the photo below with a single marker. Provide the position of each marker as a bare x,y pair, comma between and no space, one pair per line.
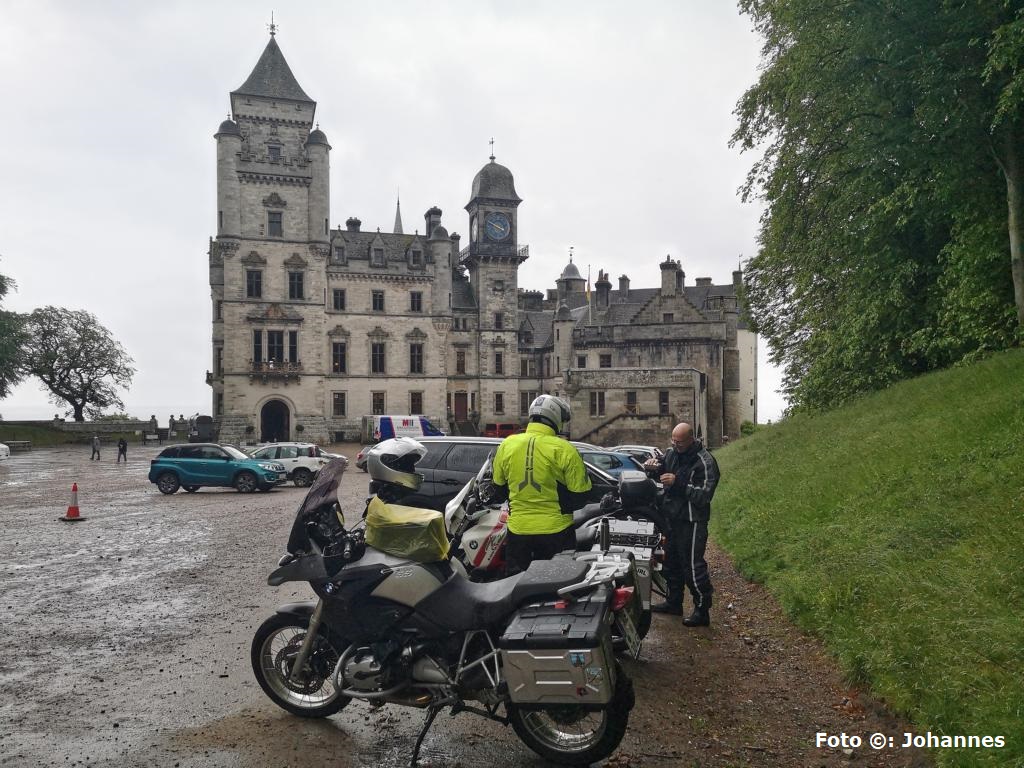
586,513
461,604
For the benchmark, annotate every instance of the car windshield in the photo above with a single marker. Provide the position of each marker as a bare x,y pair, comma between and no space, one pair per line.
233,452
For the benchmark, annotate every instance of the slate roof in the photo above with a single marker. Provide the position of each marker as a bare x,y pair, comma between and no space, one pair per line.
494,181
272,78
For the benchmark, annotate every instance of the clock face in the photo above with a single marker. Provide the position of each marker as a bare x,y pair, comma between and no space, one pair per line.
472,228
497,227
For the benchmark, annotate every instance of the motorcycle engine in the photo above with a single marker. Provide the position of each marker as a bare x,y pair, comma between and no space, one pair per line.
364,672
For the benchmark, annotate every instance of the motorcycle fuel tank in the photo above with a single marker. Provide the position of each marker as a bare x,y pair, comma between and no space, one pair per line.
407,583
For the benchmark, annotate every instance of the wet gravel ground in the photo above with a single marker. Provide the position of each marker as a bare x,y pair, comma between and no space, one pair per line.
126,643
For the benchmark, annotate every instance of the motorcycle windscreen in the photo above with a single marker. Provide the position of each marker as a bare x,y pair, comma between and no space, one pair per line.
319,502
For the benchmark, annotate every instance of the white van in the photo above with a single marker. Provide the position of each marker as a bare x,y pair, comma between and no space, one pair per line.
377,428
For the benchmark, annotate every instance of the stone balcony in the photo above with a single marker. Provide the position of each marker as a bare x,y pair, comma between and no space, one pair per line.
271,370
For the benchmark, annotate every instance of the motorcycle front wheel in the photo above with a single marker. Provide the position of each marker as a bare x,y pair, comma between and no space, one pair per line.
275,647
572,735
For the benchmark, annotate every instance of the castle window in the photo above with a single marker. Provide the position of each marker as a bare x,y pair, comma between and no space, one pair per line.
525,399
377,257
605,361
253,283
293,346
378,352
257,346
338,403
499,402
274,226
597,403
499,286
417,259
378,403
499,321
295,286
631,406
415,358
339,254
460,362
377,301
218,363
581,361
416,301
339,299
416,403
668,317
275,153
218,310
499,363
663,402
275,346
338,357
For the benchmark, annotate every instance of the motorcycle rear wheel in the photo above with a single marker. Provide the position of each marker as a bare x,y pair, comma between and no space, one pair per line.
571,735
274,648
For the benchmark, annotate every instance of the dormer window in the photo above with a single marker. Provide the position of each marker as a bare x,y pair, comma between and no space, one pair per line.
416,259
377,257
339,254
274,151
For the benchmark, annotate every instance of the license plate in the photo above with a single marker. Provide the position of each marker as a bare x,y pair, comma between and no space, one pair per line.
629,633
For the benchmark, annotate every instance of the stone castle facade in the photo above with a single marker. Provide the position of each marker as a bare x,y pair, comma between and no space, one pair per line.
314,326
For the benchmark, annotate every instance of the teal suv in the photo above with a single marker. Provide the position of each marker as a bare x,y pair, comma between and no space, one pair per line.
195,465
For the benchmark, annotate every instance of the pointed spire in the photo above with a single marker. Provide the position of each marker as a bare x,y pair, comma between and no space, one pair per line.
272,77
398,215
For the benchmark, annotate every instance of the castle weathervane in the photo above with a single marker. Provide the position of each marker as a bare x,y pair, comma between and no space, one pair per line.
492,149
272,26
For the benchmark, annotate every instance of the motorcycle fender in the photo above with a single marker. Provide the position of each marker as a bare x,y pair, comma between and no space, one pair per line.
301,610
308,568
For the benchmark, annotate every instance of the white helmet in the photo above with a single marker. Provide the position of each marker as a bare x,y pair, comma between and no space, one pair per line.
553,411
394,461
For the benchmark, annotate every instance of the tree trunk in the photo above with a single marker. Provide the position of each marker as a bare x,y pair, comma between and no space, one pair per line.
1014,173
79,415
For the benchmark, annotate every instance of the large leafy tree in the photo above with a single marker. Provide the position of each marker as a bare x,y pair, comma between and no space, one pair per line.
12,343
77,360
894,222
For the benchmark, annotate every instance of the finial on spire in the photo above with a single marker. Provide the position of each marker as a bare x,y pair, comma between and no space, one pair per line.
272,26
492,149
570,253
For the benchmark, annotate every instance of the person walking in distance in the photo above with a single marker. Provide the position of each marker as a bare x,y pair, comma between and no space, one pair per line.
690,475
95,448
122,450
544,478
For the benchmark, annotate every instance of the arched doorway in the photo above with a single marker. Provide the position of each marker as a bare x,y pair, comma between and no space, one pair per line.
275,422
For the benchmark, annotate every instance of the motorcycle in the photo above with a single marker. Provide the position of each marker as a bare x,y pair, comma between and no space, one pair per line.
397,622
627,520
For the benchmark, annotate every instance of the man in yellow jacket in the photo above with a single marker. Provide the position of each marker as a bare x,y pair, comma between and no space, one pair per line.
545,480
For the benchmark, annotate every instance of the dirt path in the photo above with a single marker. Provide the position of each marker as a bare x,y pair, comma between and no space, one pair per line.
126,643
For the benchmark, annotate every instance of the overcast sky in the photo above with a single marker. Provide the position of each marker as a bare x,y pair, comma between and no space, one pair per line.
613,117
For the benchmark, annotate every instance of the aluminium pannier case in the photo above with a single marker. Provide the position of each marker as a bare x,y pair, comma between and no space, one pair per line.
559,652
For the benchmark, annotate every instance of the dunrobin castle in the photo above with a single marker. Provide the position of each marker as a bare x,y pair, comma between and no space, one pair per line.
316,326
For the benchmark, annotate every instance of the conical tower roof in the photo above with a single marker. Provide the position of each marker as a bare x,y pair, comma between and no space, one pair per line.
272,78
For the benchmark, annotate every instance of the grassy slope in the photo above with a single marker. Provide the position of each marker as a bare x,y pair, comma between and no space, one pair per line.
894,529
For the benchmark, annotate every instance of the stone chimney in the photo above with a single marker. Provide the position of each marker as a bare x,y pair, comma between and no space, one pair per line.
433,218
669,269
352,224
624,285
603,287
703,282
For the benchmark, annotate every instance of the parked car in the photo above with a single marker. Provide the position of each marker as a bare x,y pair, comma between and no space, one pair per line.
302,461
500,430
612,462
640,452
451,462
5,452
194,465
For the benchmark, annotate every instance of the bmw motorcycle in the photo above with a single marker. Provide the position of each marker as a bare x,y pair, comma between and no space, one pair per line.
627,521
532,651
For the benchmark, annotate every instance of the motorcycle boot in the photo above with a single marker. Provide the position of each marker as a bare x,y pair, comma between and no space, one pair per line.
673,604
701,616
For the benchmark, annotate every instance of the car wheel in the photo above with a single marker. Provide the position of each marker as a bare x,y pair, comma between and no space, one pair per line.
191,488
168,483
302,477
246,482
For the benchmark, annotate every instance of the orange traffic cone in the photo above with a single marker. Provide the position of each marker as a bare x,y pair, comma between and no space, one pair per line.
72,515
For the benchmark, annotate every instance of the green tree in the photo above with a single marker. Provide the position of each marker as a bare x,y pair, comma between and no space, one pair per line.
12,342
889,172
77,360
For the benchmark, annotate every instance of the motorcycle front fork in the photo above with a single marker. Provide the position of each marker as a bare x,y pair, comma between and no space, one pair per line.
307,643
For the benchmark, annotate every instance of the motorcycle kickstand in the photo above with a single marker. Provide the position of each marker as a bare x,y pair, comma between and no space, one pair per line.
432,711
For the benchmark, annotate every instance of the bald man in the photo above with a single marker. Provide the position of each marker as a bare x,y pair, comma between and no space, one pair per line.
690,476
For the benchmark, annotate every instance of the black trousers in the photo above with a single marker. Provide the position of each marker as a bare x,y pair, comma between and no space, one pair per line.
521,550
685,565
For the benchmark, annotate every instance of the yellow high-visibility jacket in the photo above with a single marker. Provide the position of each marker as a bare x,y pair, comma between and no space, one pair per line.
532,465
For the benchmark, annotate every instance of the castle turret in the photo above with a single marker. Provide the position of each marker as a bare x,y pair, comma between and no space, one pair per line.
440,245
318,151
229,206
